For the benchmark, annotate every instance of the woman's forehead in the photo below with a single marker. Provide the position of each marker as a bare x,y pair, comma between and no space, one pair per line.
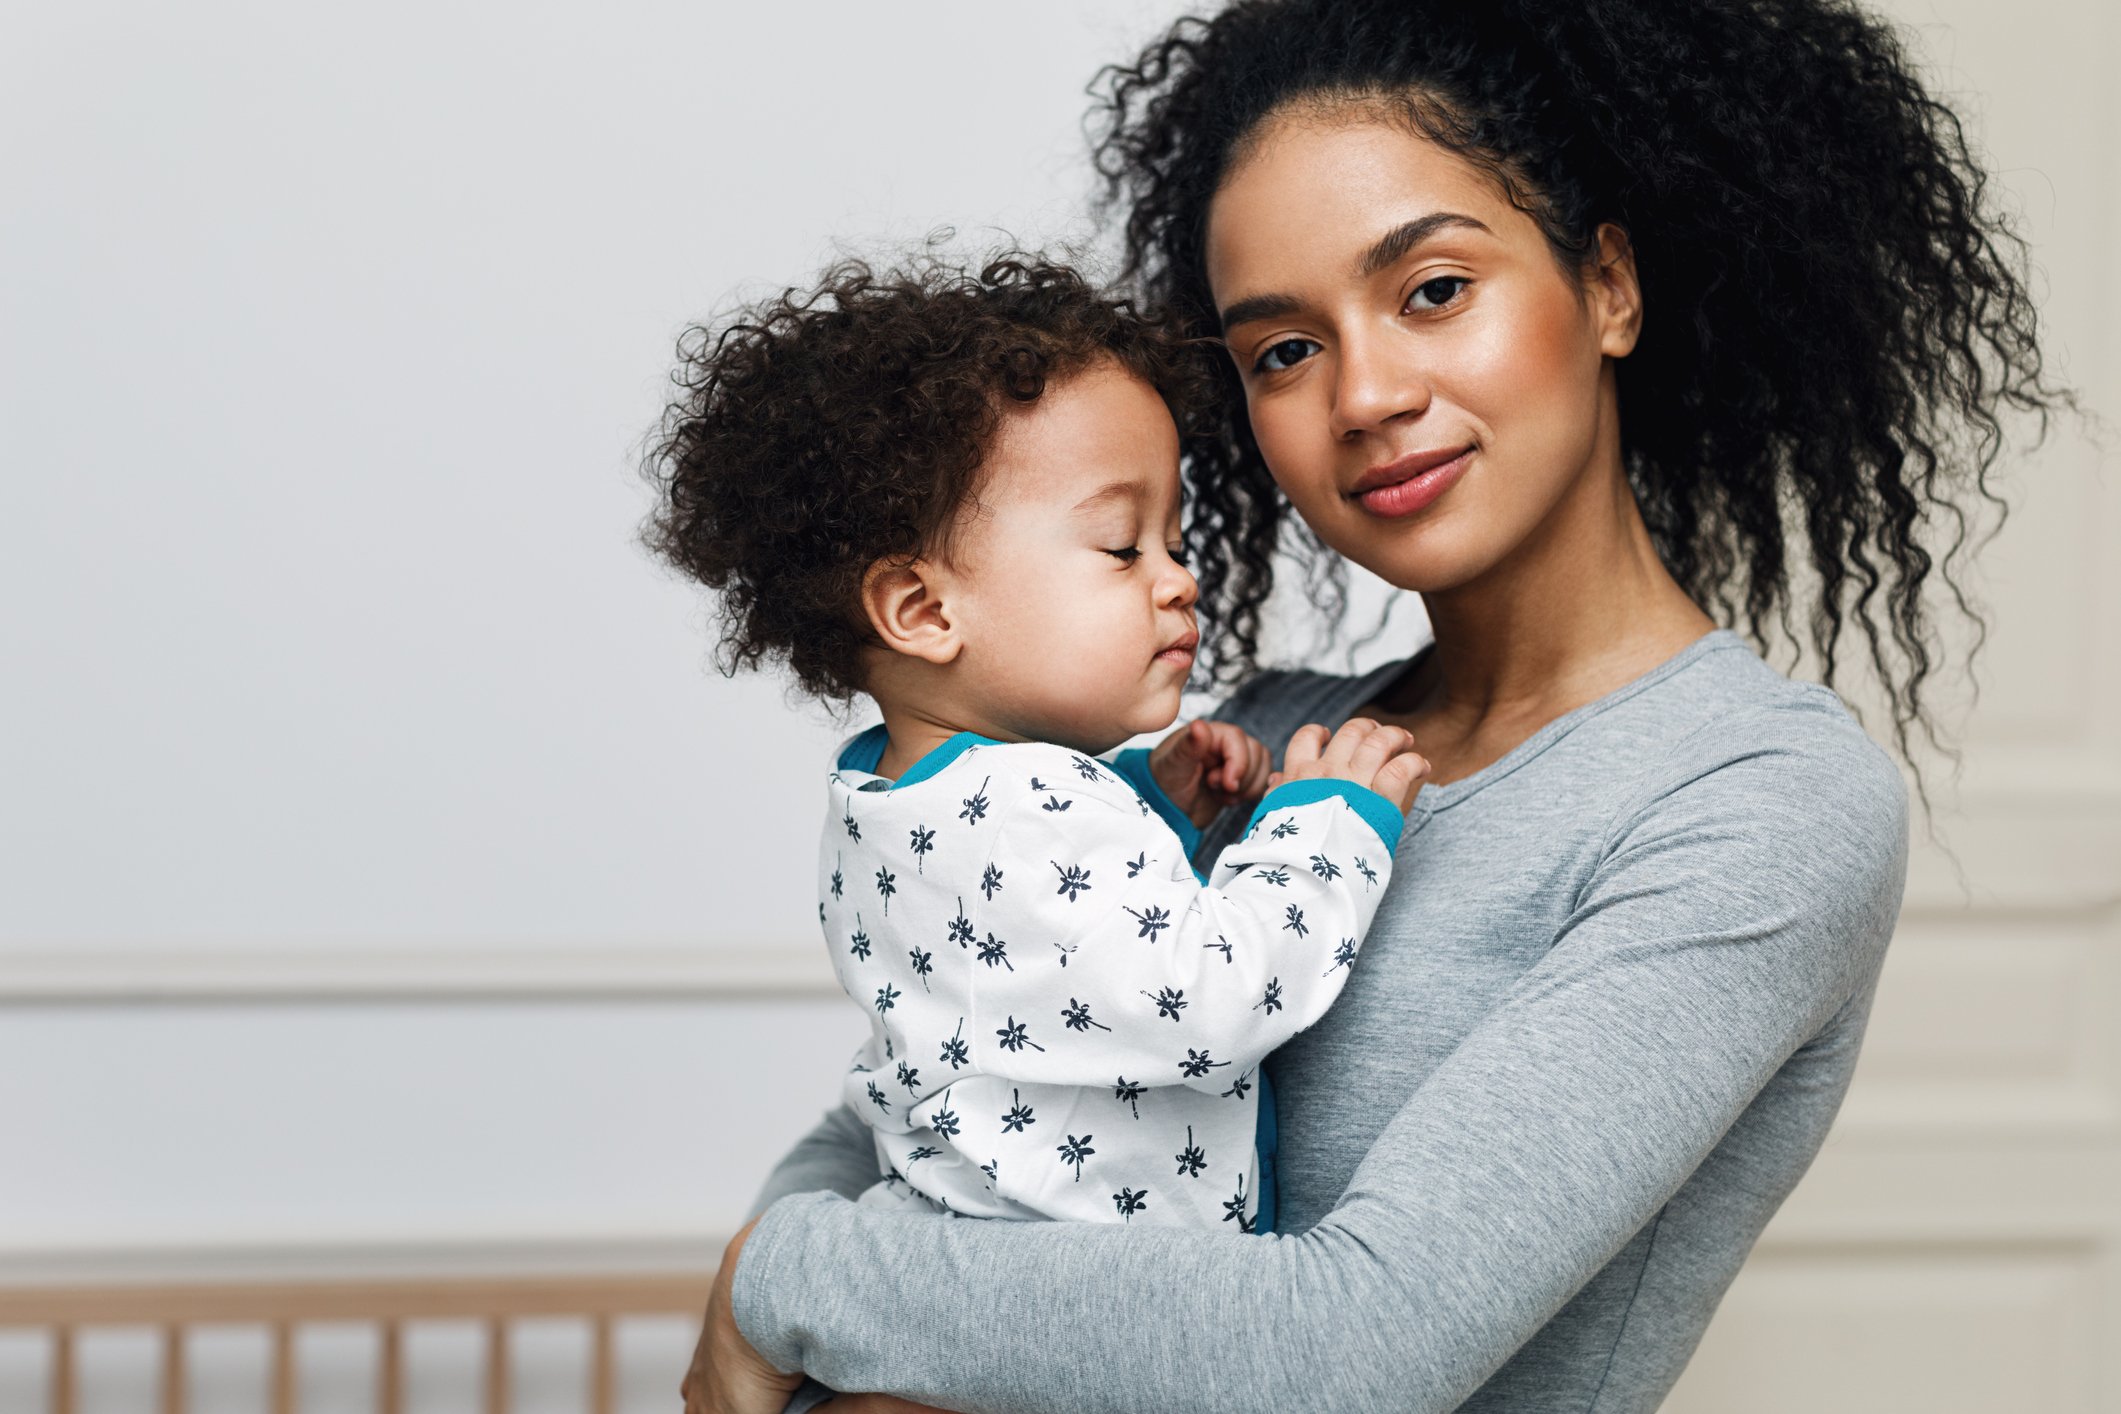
1313,194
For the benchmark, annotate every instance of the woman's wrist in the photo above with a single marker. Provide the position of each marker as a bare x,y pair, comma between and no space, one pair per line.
729,1376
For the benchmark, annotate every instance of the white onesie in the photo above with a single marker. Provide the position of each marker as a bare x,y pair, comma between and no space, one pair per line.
1066,1020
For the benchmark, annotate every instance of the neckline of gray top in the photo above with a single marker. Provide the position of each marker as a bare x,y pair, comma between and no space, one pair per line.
1437,798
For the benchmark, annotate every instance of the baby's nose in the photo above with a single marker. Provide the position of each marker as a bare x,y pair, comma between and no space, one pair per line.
1182,589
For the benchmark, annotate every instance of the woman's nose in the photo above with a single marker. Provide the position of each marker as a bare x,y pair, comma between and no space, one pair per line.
1376,379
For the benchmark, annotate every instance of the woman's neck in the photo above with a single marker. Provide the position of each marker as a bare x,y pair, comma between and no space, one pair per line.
1583,607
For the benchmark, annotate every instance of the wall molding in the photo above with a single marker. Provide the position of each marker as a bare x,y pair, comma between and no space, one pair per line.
2026,857
580,973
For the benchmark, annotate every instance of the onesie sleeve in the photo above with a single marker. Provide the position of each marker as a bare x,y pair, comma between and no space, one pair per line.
1132,766
1738,908
1102,953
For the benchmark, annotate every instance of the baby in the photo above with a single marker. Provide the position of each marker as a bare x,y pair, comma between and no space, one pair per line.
959,496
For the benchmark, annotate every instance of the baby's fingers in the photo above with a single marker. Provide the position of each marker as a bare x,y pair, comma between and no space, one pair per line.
1399,781
1340,755
1223,749
1244,760
1258,767
1303,749
1383,743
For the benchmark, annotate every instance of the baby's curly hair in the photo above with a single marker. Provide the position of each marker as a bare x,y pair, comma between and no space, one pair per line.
824,430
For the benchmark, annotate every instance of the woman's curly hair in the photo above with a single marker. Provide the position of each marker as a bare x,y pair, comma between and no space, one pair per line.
821,431
1836,319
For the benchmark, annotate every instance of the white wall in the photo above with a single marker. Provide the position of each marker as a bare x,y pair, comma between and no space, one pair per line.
330,339
331,336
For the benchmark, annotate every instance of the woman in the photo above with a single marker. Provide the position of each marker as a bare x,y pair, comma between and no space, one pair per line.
1596,325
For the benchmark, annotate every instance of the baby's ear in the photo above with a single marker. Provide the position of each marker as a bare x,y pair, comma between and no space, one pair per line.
904,603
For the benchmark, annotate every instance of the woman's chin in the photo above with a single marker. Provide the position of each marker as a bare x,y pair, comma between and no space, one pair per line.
1425,559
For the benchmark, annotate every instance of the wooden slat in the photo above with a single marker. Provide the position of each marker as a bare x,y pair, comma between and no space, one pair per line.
173,1401
283,1368
64,1390
390,1372
497,1400
283,1307
407,1299
603,1369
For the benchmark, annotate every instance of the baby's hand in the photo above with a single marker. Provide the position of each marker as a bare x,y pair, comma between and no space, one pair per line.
1205,766
1380,758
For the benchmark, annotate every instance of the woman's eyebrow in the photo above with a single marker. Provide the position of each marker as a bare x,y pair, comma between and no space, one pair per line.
1386,250
1259,307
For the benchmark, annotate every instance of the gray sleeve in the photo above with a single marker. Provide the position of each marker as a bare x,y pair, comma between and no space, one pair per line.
838,1156
1742,898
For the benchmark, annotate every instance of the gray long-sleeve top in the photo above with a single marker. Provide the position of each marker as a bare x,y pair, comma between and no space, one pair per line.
1601,1023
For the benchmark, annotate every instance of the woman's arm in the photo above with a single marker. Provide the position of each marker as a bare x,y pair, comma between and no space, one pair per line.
1738,908
838,1156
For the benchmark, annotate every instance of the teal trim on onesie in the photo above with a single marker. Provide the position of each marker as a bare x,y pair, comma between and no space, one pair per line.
942,756
1266,1141
1378,813
867,750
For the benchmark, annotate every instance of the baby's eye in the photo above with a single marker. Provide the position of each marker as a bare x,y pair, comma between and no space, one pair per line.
1178,555
1127,556
1440,291
1285,354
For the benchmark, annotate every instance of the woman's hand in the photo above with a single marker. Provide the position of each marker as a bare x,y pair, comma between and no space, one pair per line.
1363,752
727,1375
1206,766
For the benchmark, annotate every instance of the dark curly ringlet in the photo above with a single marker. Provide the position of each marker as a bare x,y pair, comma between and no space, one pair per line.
1836,318
821,431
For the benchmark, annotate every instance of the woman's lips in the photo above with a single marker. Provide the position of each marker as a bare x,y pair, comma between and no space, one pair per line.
1404,498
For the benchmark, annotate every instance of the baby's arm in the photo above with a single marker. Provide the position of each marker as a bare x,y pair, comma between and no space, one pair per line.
1104,955
1202,769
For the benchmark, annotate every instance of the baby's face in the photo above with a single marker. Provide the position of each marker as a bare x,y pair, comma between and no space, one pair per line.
1077,618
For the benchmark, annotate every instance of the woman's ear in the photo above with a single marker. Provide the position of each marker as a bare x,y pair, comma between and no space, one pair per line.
904,600
1616,293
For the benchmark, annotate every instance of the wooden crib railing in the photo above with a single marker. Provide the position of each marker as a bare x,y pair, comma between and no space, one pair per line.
282,1307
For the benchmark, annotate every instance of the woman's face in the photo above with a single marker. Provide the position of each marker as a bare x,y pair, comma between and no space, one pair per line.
1428,386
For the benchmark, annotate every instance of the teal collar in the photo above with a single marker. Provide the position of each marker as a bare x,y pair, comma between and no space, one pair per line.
867,750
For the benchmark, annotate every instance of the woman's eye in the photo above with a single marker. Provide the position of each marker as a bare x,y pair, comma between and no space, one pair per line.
1286,354
1438,292
1127,556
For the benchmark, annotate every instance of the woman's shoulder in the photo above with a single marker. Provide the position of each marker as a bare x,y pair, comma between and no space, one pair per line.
1777,775
1731,705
